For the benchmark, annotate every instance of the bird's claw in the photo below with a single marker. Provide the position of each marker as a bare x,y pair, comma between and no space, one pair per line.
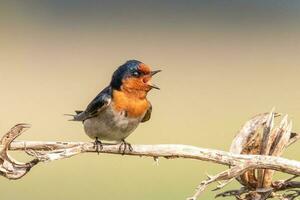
98,145
126,145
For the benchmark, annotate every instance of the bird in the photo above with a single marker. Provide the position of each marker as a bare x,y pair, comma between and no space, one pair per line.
120,107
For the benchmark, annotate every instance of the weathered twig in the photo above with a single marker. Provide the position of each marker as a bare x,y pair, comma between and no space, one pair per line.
238,162
225,175
10,168
49,151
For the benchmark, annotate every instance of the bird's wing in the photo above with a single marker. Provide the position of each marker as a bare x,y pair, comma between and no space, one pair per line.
148,114
101,101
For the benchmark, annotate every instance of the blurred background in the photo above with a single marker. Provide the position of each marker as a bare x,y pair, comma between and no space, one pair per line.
222,62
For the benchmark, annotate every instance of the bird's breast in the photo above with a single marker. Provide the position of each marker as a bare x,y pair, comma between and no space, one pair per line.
133,106
110,125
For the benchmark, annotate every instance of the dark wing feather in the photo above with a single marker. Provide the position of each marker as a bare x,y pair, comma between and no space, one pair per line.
102,99
148,114
97,104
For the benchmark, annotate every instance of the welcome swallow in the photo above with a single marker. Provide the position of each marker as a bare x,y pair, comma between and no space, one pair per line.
119,108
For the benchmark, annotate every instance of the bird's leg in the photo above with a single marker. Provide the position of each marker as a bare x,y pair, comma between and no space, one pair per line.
98,145
126,145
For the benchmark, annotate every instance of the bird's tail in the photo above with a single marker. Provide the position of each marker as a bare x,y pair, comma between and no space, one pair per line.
79,116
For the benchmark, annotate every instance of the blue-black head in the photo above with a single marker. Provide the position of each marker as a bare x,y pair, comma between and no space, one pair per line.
133,74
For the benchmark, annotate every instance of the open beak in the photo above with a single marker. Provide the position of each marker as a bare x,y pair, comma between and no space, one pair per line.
154,86
152,73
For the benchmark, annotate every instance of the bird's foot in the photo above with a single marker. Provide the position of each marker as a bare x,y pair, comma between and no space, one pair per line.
98,145
126,146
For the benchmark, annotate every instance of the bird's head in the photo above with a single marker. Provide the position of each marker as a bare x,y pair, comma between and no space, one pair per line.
133,76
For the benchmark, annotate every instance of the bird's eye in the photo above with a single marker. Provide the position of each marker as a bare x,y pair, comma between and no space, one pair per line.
136,73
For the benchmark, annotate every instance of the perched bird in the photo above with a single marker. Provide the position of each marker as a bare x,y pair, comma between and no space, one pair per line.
119,108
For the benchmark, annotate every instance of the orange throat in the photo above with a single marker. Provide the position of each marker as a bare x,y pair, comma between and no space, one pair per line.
133,102
137,87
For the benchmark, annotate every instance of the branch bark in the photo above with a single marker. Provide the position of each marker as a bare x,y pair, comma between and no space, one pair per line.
241,165
49,151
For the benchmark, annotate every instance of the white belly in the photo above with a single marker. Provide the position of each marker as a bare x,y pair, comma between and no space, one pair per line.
110,125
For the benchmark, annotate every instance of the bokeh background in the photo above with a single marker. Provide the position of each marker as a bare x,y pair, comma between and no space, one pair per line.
222,62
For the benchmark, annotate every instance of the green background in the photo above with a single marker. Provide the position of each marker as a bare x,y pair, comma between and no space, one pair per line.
222,62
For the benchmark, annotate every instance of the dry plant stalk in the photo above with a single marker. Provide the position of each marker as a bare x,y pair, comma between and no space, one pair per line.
258,136
254,172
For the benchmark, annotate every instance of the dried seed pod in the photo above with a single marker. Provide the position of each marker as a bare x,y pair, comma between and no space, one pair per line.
278,146
248,141
264,147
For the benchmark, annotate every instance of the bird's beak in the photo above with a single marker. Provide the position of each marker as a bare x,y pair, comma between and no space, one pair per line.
154,86
152,73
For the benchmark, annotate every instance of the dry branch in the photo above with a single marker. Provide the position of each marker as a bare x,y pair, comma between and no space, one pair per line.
239,163
49,151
